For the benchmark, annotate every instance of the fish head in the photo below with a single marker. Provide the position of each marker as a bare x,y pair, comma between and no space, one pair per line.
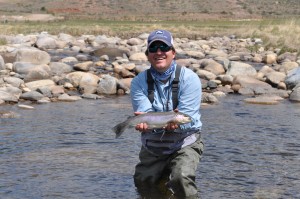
182,118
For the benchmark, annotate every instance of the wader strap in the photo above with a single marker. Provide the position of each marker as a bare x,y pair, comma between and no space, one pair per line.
175,86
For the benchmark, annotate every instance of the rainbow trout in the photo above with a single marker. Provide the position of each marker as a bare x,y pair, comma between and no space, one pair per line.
153,120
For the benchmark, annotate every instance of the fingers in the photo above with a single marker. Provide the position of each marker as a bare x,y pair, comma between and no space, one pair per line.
142,127
171,126
138,113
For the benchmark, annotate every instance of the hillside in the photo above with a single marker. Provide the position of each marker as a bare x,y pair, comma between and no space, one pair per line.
155,9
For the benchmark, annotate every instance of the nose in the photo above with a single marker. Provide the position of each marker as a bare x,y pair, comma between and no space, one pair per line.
158,51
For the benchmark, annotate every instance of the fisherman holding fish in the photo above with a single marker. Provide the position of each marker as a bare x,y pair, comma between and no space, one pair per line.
171,142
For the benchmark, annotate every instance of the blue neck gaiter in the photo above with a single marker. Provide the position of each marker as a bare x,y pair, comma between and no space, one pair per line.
165,75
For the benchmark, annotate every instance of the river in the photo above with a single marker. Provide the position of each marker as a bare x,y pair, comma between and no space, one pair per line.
67,150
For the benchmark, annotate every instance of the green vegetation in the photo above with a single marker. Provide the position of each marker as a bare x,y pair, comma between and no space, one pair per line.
3,41
275,33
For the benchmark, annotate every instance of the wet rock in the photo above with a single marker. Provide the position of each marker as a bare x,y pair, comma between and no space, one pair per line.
67,98
31,95
208,98
295,95
293,78
265,100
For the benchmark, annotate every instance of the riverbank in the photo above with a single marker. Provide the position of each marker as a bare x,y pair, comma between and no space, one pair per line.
42,68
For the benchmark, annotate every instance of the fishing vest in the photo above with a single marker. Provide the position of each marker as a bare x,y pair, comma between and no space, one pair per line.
159,141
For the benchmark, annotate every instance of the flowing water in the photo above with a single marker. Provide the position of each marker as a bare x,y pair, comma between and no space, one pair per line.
67,150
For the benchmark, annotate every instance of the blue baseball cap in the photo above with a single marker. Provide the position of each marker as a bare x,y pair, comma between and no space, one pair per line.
160,35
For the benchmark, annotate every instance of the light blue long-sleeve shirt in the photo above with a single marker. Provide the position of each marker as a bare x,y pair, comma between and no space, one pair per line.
189,96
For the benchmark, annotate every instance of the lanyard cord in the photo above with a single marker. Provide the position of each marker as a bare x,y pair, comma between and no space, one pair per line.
168,97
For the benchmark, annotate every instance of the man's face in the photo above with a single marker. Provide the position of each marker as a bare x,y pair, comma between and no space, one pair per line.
160,56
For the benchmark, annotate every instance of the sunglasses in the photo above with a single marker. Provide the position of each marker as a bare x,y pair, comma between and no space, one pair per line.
162,47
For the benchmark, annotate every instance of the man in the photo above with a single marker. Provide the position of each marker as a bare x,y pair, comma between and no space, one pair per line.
169,156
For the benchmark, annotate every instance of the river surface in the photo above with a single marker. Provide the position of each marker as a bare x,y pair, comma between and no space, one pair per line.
67,150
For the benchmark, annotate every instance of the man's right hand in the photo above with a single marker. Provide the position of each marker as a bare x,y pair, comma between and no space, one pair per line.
142,127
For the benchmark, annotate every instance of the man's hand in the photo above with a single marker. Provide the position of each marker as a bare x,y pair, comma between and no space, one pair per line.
142,127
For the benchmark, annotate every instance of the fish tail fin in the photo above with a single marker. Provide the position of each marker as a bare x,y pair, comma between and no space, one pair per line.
119,129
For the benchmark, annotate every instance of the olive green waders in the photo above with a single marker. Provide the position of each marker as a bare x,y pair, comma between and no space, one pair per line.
168,175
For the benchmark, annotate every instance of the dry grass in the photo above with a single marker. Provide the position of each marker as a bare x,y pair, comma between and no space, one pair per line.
276,33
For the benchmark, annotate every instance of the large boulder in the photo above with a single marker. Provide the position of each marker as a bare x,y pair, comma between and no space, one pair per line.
34,85
293,78
250,86
88,83
212,66
59,68
33,56
46,42
295,95
239,68
107,85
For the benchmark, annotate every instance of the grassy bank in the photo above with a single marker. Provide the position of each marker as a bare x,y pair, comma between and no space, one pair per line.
276,33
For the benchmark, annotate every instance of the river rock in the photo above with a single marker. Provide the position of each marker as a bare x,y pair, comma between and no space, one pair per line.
250,85
67,98
69,60
134,41
107,85
46,42
287,66
212,66
287,56
38,72
74,78
239,68
91,96
270,58
57,90
14,81
32,95
34,85
195,54
295,95
33,56
2,64
23,67
274,78
265,100
138,57
208,98
88,83
23,106
8,97
59,68
293,78
205,74
84,66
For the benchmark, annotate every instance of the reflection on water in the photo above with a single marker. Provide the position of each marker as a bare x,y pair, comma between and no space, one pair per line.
67,150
